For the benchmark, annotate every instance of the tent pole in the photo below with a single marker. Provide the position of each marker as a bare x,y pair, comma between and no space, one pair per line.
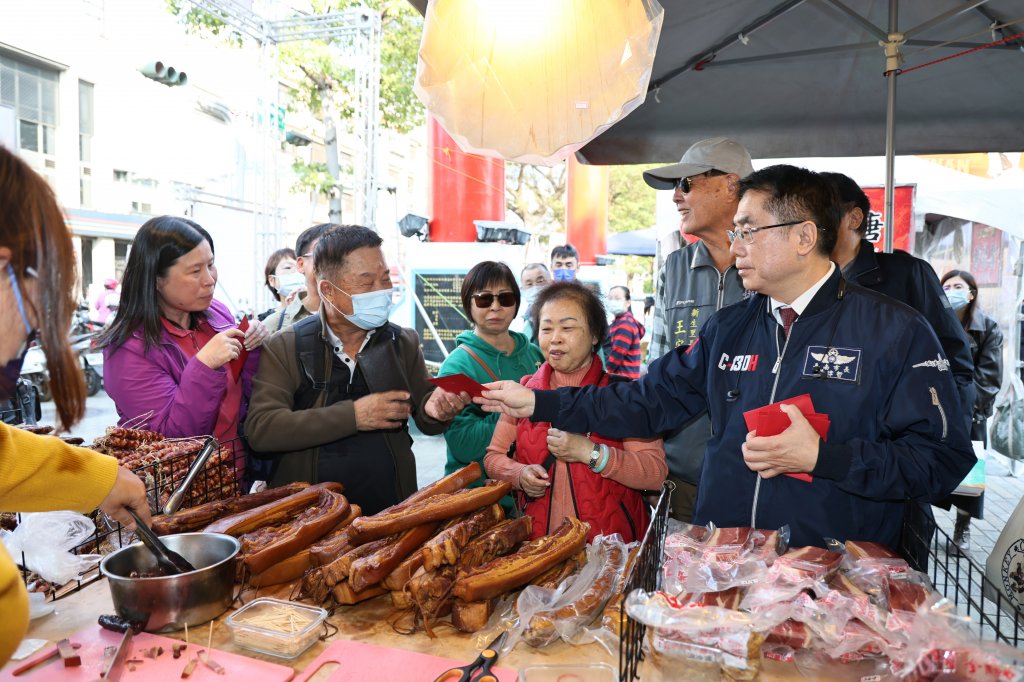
890,160
892,55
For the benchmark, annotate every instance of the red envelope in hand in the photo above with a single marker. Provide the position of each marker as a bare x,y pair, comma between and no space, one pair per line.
236,365
803,402
457,383
770,420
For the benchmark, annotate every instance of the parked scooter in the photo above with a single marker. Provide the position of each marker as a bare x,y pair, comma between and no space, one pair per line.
90,359
34,370
23,407
81,323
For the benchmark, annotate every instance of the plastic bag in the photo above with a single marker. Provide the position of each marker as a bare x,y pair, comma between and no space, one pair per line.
701,559
709,634
941,642
46,539
547,615
1007,424
858,554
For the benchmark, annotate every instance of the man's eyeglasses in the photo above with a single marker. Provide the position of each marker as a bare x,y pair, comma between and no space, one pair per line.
685,185
506,299
748,232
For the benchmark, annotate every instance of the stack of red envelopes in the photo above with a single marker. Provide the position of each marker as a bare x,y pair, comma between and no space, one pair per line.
770,420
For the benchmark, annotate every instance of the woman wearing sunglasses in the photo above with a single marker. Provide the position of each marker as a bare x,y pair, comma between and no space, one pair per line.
596,479
487,352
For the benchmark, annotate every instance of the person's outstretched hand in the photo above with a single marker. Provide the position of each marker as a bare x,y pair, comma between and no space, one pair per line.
443,405
128,491
507,397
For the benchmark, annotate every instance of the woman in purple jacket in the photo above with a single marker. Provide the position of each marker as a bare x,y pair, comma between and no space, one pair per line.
168,353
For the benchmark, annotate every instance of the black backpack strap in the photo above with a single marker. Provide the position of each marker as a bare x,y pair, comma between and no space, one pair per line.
310,356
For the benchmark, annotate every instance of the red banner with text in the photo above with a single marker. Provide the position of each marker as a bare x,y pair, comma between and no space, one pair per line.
903,206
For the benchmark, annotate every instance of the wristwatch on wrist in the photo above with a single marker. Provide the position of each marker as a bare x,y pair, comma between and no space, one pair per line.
595,456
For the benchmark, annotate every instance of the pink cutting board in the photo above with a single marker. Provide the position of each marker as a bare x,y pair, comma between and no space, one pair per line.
358,662
163,669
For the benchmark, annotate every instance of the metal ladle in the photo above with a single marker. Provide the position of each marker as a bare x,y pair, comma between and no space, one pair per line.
170,562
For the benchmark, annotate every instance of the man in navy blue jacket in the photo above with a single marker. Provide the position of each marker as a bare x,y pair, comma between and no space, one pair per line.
872,364
906,278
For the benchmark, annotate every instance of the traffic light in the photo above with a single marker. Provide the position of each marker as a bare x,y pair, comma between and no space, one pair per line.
163,73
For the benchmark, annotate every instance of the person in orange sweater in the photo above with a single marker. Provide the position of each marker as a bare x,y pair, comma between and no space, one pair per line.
42,473
596,479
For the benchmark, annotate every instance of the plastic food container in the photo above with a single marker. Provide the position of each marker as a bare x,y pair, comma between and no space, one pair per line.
586,672
276,627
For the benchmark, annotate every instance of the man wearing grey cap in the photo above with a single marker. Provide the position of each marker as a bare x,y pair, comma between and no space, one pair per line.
696,281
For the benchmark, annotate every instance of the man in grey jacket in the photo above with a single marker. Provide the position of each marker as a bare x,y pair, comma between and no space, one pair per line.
334,392
696,281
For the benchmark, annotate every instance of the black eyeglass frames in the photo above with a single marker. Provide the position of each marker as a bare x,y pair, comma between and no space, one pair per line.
748,232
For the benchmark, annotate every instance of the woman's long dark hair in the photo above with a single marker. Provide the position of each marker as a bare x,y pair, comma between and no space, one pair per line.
32,227
973,284
158,244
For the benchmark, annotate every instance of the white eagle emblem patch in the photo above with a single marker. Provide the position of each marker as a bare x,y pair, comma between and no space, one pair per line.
824,362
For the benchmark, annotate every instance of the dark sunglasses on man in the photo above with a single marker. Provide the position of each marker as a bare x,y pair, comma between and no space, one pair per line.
686,184
506,299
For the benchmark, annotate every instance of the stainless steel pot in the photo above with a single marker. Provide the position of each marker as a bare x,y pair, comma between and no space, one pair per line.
169,602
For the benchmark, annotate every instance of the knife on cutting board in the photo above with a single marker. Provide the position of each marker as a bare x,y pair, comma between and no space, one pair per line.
112,671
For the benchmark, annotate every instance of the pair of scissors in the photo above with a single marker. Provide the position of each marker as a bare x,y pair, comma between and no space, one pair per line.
482,665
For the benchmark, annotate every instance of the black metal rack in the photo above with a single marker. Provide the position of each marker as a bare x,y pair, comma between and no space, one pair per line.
962,580
161,478
646,575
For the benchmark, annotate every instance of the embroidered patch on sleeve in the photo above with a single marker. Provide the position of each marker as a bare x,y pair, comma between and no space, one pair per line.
940,363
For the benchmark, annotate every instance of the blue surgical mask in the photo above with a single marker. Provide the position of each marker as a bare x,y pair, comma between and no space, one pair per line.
369,310
564,274
289,282
12,370
958,298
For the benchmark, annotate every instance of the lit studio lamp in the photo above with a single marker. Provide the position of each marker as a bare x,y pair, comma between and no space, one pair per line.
533,81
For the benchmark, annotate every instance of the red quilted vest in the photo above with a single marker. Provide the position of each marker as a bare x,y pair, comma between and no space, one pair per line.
608,506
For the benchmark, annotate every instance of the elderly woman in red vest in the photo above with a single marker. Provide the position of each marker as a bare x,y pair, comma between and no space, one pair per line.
596,479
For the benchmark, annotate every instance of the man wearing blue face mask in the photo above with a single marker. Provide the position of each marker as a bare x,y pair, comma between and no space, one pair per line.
333,394
565,261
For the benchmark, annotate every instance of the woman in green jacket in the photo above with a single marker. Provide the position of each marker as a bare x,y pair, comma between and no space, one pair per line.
487,352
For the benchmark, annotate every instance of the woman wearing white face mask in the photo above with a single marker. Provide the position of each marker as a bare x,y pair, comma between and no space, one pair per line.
625,333
283,279
334,392
987,352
